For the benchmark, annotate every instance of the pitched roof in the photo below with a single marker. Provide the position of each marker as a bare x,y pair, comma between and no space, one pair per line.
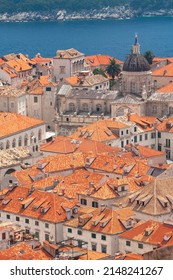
12,123
23,251
29,204
65,145
101,130
68,54
87,81
166,125
154,199
168,88
18,65
166,71
107,221
100,60
152,232
11,91
40,59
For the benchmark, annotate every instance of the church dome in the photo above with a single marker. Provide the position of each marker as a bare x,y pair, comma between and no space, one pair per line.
136,62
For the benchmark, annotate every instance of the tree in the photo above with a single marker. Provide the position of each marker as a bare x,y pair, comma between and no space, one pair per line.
99,71
149,56
113,69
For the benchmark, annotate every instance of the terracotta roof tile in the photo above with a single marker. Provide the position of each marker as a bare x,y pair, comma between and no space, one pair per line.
166,71
20,123
152,232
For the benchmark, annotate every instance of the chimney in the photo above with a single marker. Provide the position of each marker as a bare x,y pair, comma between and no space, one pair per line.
102,207
68,214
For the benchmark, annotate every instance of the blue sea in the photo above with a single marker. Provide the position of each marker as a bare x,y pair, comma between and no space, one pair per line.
112,37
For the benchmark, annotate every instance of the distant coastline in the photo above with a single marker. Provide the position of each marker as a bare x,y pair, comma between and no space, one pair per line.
100,14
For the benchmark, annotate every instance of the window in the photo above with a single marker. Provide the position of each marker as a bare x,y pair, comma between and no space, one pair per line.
93,235
47,237
36,223
168,154
72,107
140,137
48,88
127,132
159,134
159,147
122,144
69,230
153,135
8,216
27,221
146,136
104,249
94,247
127,142
17,219
62,69
83,201
37,235
20,142
27,231
35,99
128,243
135,139
168,143
51,103
98,108
67,119
14,143
46,225
122,132
79,232
103,237
95,204
3,235
85,107
135,129
140,246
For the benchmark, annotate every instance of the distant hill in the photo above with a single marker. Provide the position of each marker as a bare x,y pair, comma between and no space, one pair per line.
14,6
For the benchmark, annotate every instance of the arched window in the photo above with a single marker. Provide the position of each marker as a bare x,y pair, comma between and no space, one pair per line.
26,140
31,137
99,108
155,83
20,141
1,146
72,107
14,143
85,107
8,144
39,135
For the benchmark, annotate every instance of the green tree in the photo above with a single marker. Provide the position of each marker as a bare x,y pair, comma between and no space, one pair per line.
99,71
113,69
149,56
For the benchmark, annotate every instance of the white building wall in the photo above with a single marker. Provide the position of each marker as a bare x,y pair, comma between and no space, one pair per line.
110,242
134,246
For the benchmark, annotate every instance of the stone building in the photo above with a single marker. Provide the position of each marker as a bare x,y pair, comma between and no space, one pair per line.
18,131
12,100
68,63
78,107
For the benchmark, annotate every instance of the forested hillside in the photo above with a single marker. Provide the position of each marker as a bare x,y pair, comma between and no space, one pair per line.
13,6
